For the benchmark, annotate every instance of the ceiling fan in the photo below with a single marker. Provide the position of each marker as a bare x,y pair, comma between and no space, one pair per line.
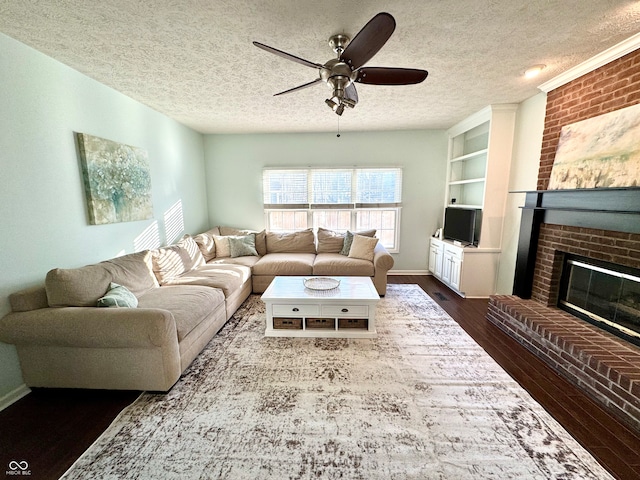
342,72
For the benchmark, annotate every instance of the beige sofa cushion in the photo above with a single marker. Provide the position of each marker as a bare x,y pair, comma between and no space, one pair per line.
223,249
77,287
329,241
249,261
227,277
336,264
295,242
174,260
206,243
189,305
285,264
82,287
134,271
261,237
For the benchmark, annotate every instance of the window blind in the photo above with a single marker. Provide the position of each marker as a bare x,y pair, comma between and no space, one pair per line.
285,188
332,188
378,188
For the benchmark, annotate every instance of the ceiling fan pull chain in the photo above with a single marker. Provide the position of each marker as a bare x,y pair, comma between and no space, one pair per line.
338,135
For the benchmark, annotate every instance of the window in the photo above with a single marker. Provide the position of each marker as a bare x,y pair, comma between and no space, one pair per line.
340,199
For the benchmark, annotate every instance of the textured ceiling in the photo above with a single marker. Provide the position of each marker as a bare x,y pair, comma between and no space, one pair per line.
193,59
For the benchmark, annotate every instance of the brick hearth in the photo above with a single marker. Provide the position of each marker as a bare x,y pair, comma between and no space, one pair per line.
606,367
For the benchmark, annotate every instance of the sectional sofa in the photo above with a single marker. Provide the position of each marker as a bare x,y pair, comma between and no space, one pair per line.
171,301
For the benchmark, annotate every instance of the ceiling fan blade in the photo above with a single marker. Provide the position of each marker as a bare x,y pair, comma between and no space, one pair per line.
299,87
351,93
390,76
286,55
369,40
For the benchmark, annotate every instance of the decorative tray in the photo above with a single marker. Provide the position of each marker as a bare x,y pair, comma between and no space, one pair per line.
321,283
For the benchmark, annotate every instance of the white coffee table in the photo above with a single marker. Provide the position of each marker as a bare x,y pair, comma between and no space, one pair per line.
348,311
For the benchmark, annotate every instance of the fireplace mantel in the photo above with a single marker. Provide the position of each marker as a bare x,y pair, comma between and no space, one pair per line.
611,209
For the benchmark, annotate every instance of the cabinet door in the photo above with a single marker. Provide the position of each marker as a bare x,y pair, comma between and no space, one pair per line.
438,264
446,267
435,260
433,253
456,270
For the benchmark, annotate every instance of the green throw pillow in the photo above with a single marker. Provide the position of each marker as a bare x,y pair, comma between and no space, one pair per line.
346,247
118,296
243,246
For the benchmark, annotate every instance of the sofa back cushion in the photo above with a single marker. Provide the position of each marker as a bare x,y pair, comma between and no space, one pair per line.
295,242
77,287
329,241
261,237
134,271
174,260
206,243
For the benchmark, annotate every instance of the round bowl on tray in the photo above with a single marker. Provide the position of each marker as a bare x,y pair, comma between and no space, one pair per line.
321,283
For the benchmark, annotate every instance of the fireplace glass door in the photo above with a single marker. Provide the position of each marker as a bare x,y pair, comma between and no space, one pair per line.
607,296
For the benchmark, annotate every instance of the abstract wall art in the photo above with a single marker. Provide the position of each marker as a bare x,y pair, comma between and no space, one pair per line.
600,152
117,180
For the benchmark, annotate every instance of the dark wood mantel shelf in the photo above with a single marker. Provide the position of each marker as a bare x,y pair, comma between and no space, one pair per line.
612,209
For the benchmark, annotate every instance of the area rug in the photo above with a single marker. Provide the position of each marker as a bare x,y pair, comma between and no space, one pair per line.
420,401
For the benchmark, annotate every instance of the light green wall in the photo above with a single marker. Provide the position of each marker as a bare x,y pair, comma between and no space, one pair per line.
42,205
523,176
234,166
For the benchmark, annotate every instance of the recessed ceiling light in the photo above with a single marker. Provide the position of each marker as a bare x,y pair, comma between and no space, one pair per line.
534,71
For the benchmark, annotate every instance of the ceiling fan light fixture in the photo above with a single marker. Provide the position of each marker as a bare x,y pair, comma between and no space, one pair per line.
332,104
348,102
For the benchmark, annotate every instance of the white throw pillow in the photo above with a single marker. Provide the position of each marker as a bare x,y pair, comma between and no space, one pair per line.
362,247
222,246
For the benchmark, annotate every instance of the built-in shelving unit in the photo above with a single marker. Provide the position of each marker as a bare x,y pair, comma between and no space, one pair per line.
468,167
478,164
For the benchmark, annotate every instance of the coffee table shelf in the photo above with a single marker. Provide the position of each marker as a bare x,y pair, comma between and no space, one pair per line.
348,311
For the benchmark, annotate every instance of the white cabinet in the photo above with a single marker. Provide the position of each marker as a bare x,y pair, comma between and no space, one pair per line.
469,271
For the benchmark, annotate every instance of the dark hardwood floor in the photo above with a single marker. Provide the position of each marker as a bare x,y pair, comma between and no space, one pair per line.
50,428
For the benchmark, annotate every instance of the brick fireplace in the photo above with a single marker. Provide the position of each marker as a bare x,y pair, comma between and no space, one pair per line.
603,365
601,224
554,241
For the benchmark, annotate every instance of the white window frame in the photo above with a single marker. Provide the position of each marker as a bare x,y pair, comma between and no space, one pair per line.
392,244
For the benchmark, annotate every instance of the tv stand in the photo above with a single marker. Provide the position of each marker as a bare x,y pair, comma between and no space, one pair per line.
469,271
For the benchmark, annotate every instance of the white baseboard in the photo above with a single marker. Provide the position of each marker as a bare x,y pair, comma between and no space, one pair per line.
408,272
13,396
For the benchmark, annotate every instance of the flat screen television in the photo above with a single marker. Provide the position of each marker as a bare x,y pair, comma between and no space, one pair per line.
462,225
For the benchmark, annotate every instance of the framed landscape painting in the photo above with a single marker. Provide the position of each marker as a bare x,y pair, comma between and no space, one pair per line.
600,152
117,180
